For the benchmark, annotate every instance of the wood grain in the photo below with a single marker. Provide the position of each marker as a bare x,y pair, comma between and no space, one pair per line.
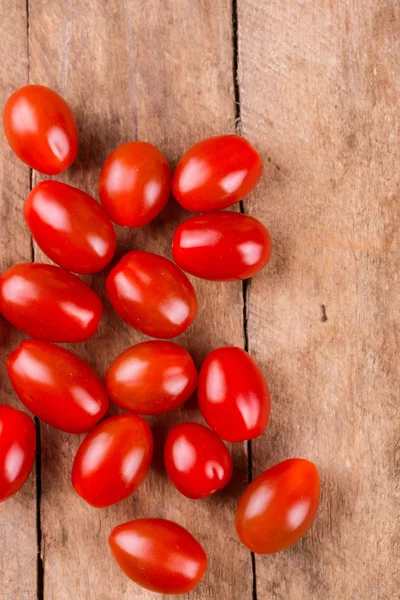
319,86
160,72
18,558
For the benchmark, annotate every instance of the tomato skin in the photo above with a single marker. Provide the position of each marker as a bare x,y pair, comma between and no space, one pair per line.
152,295
134,184
49,303
279,506
151,378
113,460
41,129
70,227
57,386
17,450
216,173
196,460
233,395
159,555
221,246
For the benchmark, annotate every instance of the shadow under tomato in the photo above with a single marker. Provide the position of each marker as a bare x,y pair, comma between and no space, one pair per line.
159,429
95,143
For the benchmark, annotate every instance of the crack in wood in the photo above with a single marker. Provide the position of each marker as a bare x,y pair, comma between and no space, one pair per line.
323,313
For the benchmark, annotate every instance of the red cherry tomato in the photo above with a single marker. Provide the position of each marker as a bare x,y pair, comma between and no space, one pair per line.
113,460
134,184
48,303
233,395
197,461
41,129
70,227
17,450
152,295
159,555
216,173
151,378
57,386
279,506
221,246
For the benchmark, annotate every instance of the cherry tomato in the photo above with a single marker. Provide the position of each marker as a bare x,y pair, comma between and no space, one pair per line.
221,246
159,555
152,295
70,227
135,183
233,395
216,173
41,129
17,450
57,386
197,461
49,303
113,460
151,378
279,506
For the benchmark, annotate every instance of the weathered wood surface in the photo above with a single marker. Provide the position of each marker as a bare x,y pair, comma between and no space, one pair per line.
123,84
318,87
18,554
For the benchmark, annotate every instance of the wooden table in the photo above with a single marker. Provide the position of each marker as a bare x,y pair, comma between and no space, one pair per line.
315,87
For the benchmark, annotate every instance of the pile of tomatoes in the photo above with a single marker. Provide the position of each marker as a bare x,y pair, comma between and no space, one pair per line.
154,296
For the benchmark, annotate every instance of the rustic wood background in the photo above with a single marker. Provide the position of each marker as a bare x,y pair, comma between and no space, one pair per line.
315,86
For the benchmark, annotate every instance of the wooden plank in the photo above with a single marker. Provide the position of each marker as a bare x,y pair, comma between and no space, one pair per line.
161,72
319,86
18,559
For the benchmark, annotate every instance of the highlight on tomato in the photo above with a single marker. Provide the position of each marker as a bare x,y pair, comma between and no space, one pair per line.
233,394
221,246
159,555
134,184
17,450
279,506
216,173
41,129
113,460
57,386
151,378
70,227
152,294
48,303
196,460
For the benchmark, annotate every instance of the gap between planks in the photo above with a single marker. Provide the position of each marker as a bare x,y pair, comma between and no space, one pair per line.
238,131
38,463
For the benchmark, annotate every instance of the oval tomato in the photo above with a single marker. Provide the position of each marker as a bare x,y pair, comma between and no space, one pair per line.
151,378
57,386
41,129
134,185
278,506
113,460
49,303
233,395
70,227
17,450
216,173
152,295
221,246
159,555
197,461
